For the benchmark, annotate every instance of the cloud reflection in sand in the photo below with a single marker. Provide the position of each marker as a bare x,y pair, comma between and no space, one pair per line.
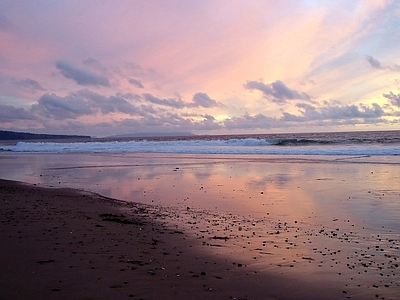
299,190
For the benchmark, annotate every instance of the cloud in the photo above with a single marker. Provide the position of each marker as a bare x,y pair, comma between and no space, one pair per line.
209,117
70,107
394,99
394,67
175,103
107,104
176,122
203,100
250,122
310,115
169,122
147,109
276,91
10,113
199,100
352,111
166,123
374,62
129,96
208,123
136,83
28,85
82,103
80,75
334,112
134,68
377,64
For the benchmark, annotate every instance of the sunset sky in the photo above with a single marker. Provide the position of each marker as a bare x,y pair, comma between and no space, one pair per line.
209,67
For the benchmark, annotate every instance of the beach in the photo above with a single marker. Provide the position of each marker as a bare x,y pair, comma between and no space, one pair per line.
152,226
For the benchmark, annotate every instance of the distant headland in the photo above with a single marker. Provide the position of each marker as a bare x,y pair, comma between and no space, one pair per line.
13,136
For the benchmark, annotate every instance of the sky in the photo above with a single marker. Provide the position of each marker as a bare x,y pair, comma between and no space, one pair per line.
104,68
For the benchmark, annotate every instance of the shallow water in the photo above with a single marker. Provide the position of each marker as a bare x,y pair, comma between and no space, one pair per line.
294,187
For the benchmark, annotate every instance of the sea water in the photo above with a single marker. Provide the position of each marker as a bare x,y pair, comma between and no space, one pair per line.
373,143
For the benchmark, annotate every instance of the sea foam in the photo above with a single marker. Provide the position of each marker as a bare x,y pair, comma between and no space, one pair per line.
211,146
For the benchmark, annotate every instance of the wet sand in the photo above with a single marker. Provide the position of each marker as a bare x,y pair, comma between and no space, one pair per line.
60,243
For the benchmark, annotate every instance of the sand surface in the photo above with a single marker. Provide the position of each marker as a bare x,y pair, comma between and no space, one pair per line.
63,244
311,237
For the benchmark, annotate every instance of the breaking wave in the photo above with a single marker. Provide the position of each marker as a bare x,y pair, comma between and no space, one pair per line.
207,145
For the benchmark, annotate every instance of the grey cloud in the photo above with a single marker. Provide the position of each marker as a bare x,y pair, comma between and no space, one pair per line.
250,122
175,120
377,64
209,117
10,113
116,104
70,107
394,99
276,91
202,99
328,115
29,85
130,123
335,112
199,100
149,124
374,62
84,102
134,68
330,102
157,123
171,122
148,109
166,102
394,67
107,104
178,123
288,117
352,111
129,96
80,75
136,83
281,91
94,65
208,123
153,121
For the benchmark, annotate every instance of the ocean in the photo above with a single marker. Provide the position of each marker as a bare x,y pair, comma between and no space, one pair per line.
330,197
371,143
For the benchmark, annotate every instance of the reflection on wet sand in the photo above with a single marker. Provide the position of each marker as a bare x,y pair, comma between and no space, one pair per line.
367,193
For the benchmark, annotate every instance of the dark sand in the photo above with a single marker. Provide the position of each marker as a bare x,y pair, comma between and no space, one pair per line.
71,244
64,244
